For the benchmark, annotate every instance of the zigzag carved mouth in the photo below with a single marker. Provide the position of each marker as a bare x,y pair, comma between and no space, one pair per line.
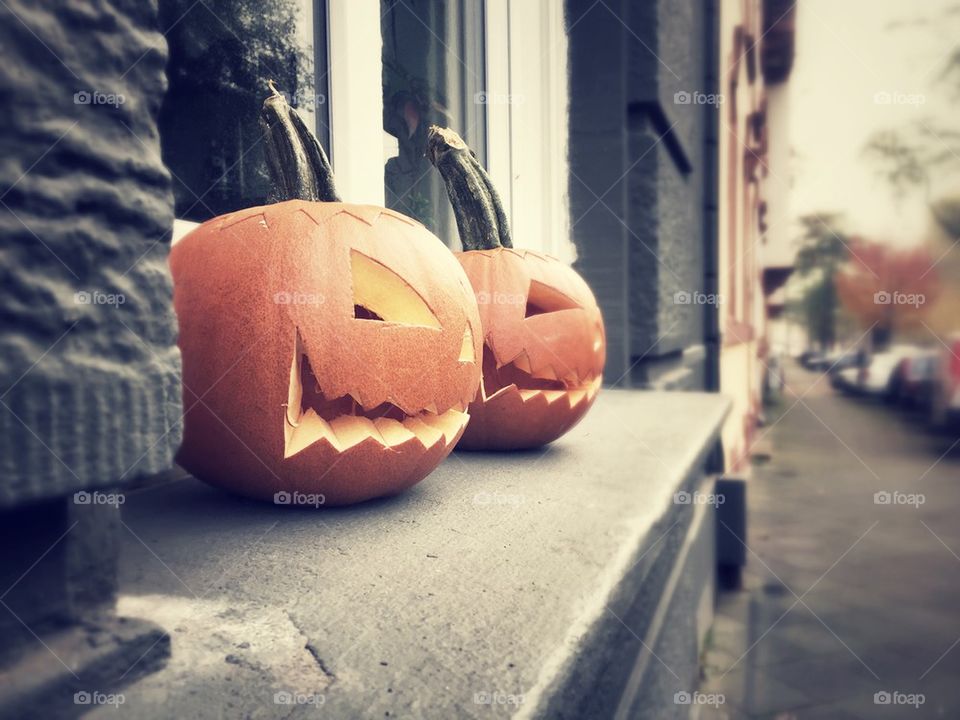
519,373
343,422
515,385
314,399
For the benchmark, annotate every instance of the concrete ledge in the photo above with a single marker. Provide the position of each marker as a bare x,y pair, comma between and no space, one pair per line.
492,588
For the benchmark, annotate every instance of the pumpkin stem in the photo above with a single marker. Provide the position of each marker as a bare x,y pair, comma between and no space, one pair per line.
480,217
298,166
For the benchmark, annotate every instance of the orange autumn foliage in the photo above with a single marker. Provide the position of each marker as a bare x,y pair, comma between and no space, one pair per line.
887,287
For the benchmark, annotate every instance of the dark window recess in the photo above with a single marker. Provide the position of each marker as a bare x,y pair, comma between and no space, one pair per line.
222,53
433,74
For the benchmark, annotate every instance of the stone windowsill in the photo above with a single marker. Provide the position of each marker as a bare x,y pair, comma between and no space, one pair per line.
501,574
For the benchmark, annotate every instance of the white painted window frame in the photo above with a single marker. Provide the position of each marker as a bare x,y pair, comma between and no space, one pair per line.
527,121
356,94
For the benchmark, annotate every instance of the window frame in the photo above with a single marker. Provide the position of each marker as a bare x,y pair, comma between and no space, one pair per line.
528,122
525,48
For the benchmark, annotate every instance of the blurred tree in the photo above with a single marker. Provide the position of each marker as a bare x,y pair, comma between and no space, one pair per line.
222,53
911,157
886,289
823,248
924,157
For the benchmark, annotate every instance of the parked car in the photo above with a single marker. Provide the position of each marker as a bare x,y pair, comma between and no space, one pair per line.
915,379
846,379
810,359
836,363
945,393
877,374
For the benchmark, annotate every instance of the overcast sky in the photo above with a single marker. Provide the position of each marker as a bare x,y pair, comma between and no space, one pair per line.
847,52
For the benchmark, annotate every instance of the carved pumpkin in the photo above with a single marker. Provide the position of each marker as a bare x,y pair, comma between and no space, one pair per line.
328,349
544,344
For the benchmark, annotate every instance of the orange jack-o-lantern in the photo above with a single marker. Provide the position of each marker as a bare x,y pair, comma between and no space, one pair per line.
329,350
544,344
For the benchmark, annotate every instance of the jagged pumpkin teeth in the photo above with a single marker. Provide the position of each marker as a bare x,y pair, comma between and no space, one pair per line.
523,363
501,391
334,345
354,429
449,423
554,395
392,431
594,388
544,346
428,435
309,430
348,431
576,397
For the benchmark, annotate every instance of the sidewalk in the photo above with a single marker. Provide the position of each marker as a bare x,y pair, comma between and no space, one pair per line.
842,597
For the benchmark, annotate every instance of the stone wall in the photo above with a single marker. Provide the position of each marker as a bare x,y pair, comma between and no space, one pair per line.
643,183
89,369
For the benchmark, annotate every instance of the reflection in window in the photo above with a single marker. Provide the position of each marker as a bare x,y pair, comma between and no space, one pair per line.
433,74
222,53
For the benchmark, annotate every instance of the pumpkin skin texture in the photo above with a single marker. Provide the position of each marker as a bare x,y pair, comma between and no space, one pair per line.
328,348
544,342
544,349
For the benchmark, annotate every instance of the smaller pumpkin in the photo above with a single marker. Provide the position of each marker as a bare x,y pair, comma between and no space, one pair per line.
544,345
329,349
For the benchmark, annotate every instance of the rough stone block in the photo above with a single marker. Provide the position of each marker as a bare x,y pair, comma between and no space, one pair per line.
89,369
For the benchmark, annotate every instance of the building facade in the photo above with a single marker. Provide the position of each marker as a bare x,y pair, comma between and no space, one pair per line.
630,138
755,257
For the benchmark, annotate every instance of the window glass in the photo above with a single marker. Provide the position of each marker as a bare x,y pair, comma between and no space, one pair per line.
222,53
433,74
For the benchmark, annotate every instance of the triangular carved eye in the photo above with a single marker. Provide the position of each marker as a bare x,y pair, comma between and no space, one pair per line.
380,294
545,299
466,348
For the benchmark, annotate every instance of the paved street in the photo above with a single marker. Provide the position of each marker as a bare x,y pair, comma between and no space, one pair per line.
844,597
